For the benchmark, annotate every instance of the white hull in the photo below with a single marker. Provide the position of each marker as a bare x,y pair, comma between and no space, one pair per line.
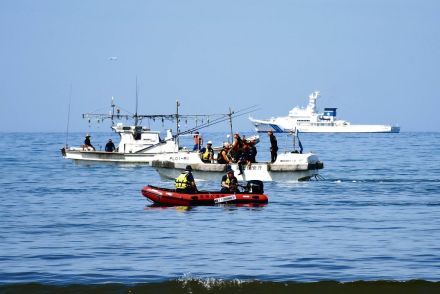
264,126
109,157
288,167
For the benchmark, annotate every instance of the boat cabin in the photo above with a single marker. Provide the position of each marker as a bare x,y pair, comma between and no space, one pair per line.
136,138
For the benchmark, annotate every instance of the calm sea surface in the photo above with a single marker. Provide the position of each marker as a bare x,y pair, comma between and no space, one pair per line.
375,216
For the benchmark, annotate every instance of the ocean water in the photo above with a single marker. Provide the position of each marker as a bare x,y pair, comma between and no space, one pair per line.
375,217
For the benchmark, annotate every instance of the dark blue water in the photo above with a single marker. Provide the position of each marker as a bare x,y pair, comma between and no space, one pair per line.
376,216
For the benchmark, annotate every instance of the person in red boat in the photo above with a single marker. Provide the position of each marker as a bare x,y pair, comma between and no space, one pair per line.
185,181
229,182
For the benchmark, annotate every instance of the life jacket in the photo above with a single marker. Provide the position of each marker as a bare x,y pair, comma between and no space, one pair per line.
220,158
207,155
182,181
231,183
197,139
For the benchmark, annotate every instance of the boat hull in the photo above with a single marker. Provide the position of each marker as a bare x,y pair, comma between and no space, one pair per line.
168,197
288,167
79,156
279,128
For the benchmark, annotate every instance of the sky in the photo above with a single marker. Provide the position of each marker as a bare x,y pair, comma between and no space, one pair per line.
377,61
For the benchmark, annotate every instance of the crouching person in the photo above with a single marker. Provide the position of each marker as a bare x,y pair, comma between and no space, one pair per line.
229,182
185,181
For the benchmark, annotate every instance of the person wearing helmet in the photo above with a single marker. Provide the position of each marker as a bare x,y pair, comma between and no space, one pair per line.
222,156
185,181
207,153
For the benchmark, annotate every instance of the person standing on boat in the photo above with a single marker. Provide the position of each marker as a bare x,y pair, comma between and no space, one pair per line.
185,181
273,147
252,152
236,148
222,156
110,147
197,141
244,158
229,182
207,153
88,144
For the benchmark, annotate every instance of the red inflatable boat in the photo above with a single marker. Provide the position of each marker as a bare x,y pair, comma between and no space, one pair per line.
170,197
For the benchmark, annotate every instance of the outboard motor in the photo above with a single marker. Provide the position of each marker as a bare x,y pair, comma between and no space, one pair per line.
255,187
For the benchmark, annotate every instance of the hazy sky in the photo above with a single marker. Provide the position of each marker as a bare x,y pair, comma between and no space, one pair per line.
377,61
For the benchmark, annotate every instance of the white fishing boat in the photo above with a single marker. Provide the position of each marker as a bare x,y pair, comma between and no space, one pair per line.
137,145
289,166
309,120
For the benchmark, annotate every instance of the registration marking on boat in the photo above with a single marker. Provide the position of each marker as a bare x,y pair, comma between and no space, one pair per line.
225,199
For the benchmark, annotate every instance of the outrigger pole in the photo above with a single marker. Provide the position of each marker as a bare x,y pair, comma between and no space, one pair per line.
177,116
227,117
207,124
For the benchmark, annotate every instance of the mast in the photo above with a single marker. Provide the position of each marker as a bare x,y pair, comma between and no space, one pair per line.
230,123
177,121
136,113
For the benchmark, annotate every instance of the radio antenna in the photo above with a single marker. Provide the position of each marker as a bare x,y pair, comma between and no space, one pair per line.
68,115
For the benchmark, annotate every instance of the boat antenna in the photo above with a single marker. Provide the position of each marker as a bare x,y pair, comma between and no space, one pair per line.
294,138
113,109
68,115
136,113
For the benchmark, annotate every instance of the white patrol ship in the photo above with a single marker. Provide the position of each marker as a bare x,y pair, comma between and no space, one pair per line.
309,120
